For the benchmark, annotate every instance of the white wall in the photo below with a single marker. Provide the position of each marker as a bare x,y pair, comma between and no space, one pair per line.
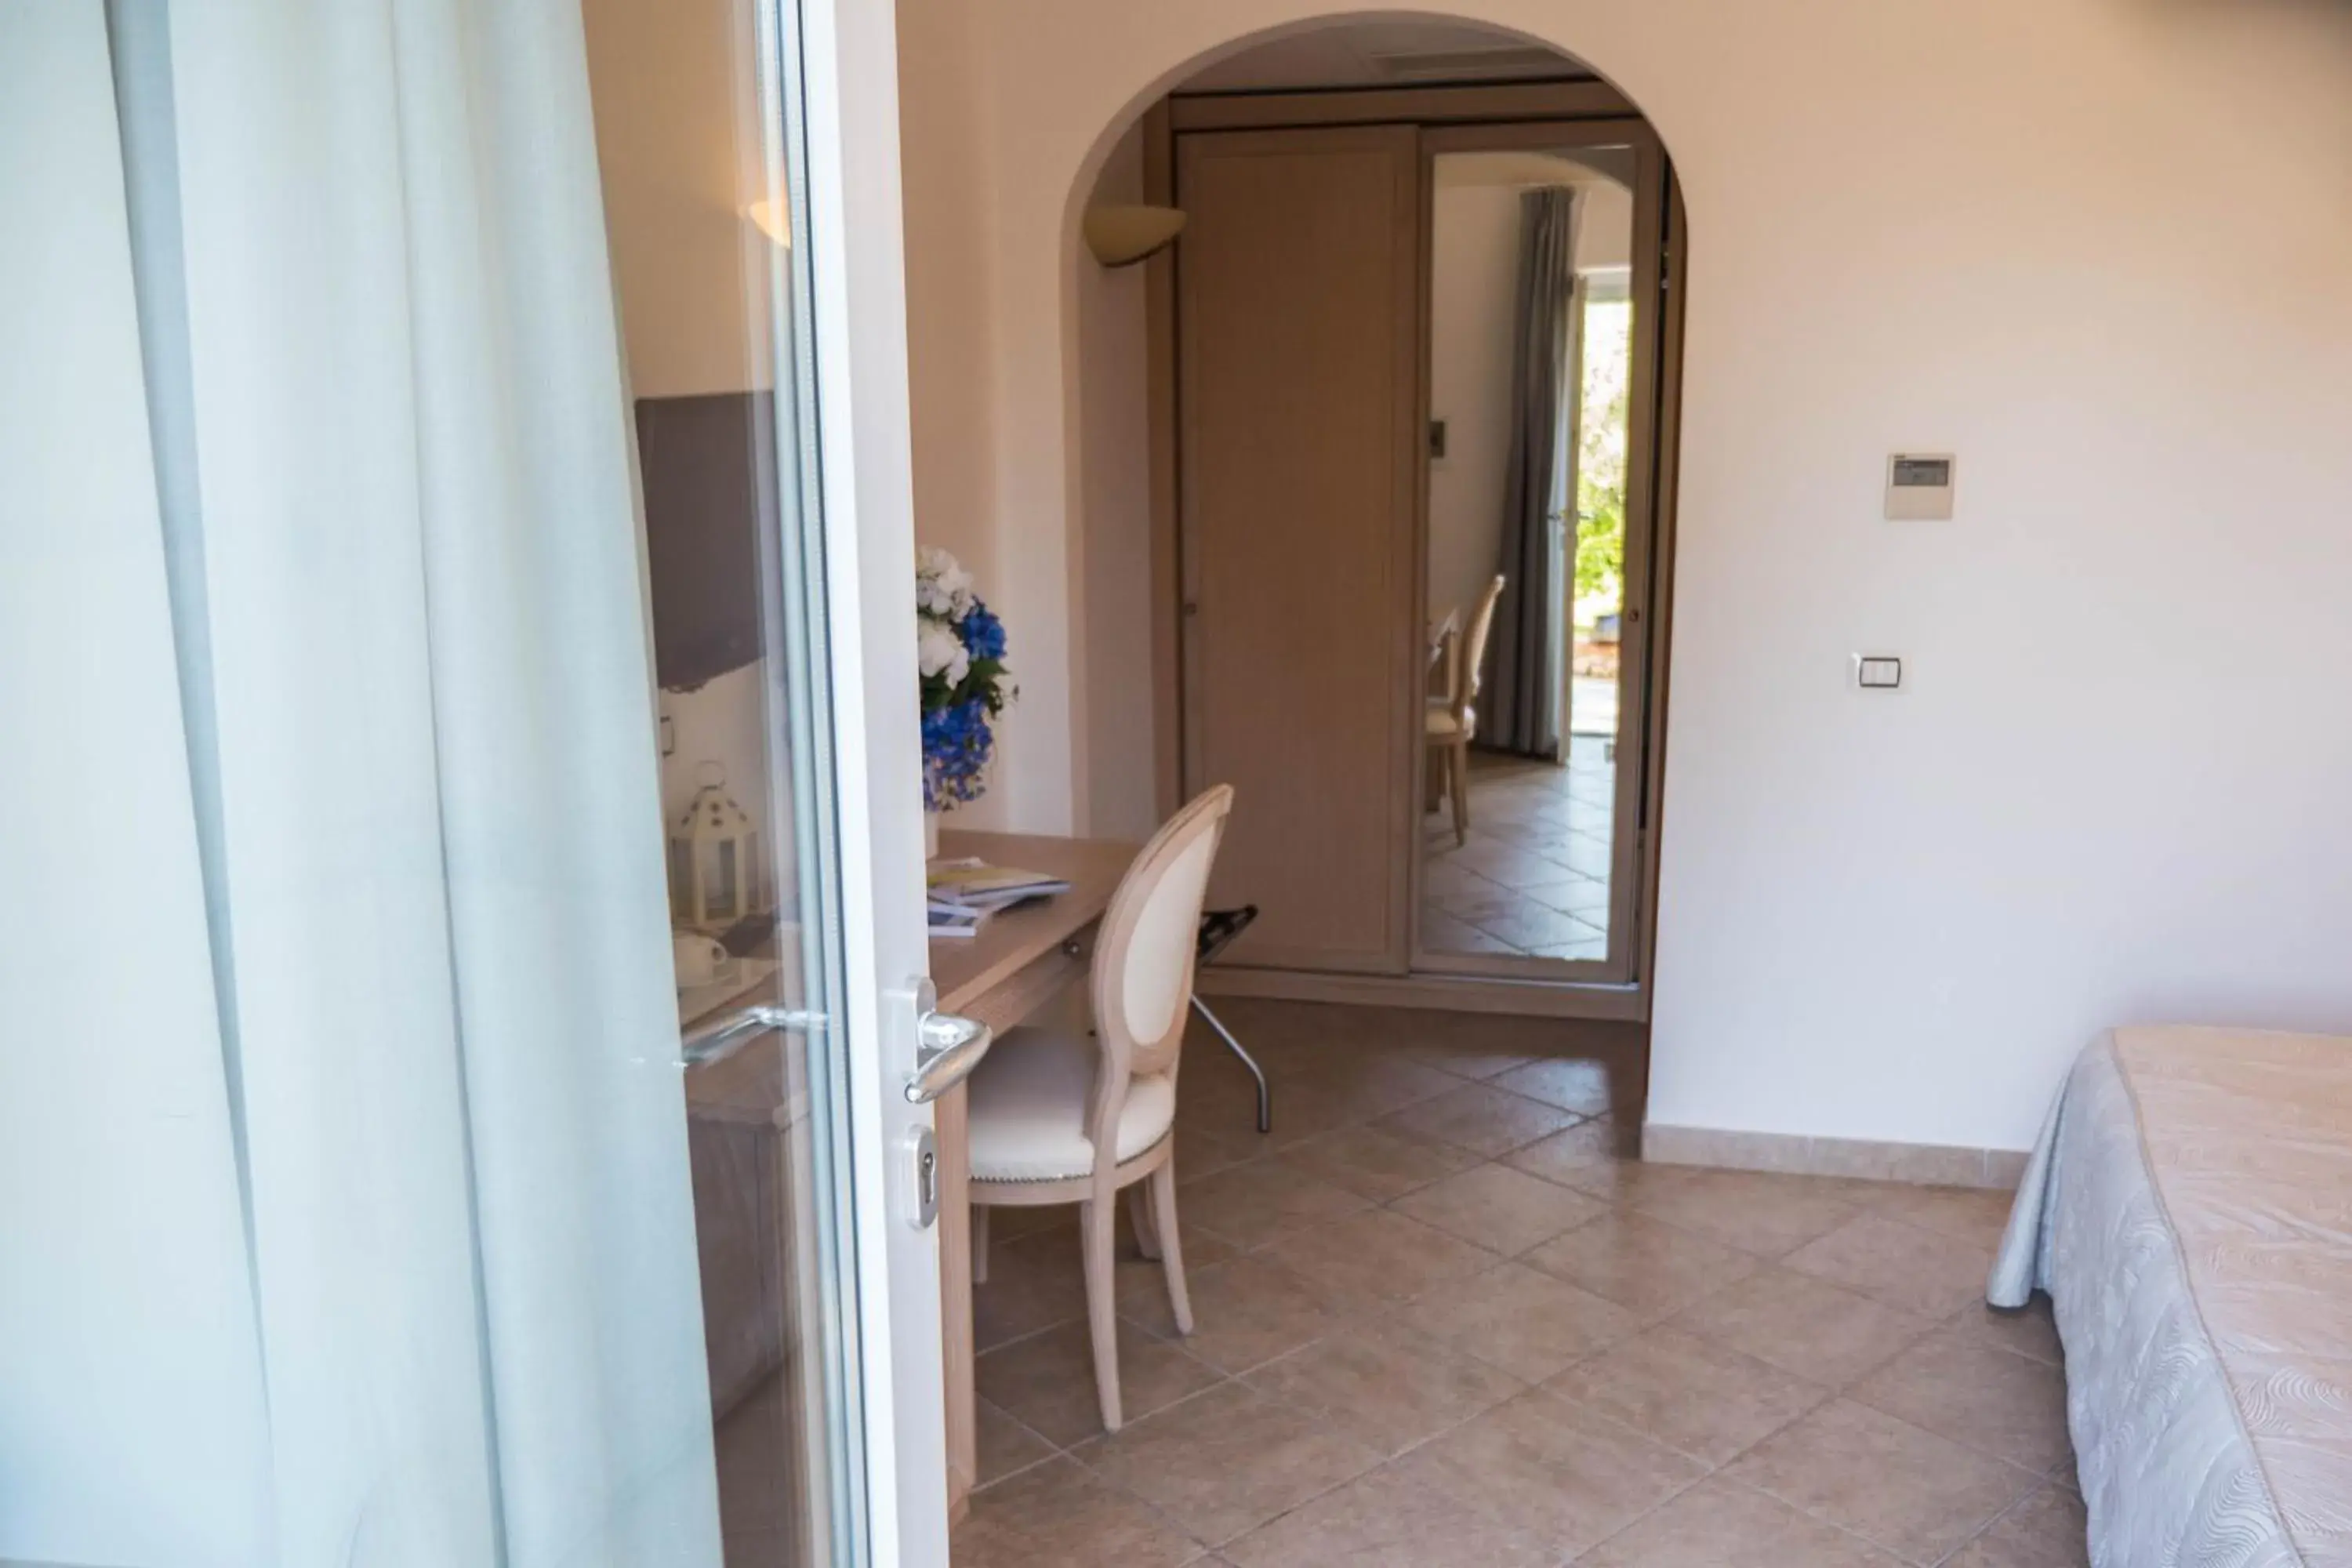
1120,798
1604,234
1474,268
953,360
949,251
2097,247
680,160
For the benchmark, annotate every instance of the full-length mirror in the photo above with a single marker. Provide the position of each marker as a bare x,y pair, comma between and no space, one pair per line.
1530,386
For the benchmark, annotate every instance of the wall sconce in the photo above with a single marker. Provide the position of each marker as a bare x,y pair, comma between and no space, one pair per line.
1123,235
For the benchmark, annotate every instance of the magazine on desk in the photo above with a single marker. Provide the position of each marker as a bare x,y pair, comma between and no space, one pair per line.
965,892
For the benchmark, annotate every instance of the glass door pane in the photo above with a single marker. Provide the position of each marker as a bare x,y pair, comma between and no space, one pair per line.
699,112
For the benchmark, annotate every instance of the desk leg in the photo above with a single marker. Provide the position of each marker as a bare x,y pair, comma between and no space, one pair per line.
955,1299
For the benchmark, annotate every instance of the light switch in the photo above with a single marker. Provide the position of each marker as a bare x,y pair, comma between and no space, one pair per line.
1877,671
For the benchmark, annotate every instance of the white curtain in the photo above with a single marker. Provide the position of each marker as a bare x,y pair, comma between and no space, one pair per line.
346,1207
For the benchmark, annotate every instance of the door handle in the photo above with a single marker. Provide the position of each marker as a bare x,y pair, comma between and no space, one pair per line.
722,1038
947,1047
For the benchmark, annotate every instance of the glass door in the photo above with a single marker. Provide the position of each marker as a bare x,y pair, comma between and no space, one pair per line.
779,574
459,544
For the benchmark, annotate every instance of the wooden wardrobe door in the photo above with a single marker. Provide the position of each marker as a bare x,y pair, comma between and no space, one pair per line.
1298,287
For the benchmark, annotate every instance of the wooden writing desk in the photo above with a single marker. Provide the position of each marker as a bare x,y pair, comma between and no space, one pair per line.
1019,961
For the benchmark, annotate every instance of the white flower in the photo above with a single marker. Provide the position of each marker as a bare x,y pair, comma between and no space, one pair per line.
940,651
942,587
958,584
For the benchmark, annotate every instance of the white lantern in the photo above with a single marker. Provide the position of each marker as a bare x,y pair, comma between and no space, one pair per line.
716,874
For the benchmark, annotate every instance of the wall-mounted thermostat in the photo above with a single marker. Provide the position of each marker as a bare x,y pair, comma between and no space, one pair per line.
1918,486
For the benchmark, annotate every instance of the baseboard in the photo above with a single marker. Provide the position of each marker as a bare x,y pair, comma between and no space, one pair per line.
1921,1164
1443,994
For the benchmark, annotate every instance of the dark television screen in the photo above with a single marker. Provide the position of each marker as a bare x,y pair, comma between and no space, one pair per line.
709,476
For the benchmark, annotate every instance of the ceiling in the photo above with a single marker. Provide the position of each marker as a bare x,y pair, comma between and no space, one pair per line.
1383,54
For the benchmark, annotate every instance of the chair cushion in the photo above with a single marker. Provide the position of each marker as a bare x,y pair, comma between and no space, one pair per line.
1438,722
1028,1103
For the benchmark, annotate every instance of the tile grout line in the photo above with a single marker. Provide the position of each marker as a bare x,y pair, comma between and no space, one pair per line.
1162,1515
1053,1450
1389,1461
1986,1528
1211,1548
2037,1483
1719,1474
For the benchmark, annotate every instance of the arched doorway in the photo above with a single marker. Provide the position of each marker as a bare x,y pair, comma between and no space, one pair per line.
1544,882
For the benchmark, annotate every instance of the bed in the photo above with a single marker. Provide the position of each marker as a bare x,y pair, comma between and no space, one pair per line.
2188,1209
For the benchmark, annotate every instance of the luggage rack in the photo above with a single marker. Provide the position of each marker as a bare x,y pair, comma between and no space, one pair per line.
1218,930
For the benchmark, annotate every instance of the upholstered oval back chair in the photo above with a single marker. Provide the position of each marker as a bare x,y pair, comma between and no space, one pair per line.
1062,1118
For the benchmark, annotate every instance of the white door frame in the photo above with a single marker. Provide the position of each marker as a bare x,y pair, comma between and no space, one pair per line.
849,58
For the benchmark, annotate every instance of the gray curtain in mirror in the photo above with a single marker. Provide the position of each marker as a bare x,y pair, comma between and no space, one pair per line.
1515,707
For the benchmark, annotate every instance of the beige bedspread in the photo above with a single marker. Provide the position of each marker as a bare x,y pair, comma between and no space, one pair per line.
2191,1211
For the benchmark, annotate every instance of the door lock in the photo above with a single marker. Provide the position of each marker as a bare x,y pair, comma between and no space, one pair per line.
923,1184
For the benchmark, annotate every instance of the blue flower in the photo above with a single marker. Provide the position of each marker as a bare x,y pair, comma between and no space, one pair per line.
956,746
983,633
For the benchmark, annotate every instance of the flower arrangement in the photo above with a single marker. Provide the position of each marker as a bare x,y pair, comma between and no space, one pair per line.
959,647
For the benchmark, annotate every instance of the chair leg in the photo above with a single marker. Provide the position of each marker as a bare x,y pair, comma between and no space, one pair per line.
1102,1309
1433,781
1139,1213
980,1243
1172,1249
1265,1096
1457,772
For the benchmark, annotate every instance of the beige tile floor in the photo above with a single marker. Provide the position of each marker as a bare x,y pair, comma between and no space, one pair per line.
1532,879
1442,1319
